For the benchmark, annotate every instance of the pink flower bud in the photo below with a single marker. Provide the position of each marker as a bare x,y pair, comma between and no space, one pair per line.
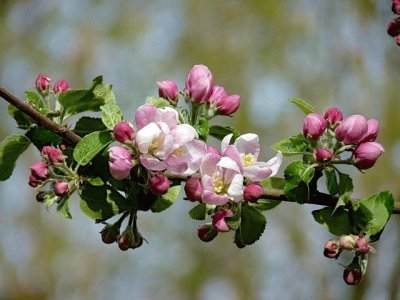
43,84
34,181
396,7
110,234
347,242
314,126
126,239
372,131
352,275
120,162
61,86
193,189
159,184
333,115
39,170
199,84
366,154
252,192
52,154
224,105
61,188
323,155
123,132
168,89
352,129
362,245
206,233
332,249
218,220
393,28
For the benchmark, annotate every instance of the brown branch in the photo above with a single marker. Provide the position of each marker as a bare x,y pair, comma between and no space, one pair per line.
41,120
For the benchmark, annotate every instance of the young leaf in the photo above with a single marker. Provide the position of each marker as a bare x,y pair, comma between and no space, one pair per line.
252,225
86,125
219,132
165,201
331,182
273,182
337,223
158,101
345,189
306,107
36,102
198,212
90,145
111,115
298,175
202,129
264,204
296,144
10,149
22,119
41,137
63,208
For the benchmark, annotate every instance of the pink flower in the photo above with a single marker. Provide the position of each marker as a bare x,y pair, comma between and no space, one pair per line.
199,84
39,171
352,129
252,192
123,132
323,155
193,189
372,131
333,115
219,222
34,181
61,188
245,151
222,102
120,162
314,126
168,89
366,154
159,184
43,84
53,155
61,86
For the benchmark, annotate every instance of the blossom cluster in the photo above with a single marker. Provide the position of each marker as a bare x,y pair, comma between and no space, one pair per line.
331,135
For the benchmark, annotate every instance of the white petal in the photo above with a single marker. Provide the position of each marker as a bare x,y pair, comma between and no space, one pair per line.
275,163
225,142
228,163
145,136
235,190
248,143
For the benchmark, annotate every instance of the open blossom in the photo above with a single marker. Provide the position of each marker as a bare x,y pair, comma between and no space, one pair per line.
165,144
120,162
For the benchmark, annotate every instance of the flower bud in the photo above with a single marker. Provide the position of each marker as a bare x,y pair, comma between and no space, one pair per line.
323,155
332,249
252,192
123,132
120,162
206,232
39,170
347,242
110,234
159,184
372,131
34,181
362,245
352,275
333,116
126,239
193,189
60,86
43,84
199,84
218,220
352,129
41,196
168,89
61,188
396,7
224,105
393,28
52,154
366,154
314,126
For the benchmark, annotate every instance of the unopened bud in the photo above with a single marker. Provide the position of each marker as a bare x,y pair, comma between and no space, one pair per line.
39,170
372,131
43,84
52,154
199,84
366,154
110,234
61,188
362,246
314,126
332,249
60,86
323,155
168,89
333,116
206,232
352,275
159,184
123,132
393,28
252,192
120,162
352,129
126,239
219,222
396,7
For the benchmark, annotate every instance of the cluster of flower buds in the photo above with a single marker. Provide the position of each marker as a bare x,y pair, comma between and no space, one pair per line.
130,238
357,244
52,170
331,134
393,28
43,85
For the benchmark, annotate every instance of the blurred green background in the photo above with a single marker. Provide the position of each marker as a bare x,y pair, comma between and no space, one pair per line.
332,53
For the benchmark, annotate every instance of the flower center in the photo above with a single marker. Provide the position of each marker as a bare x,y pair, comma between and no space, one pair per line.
248,159
219,186
154,145
178,151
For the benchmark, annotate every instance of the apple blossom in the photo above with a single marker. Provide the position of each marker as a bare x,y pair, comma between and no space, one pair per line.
199,84
52,154
366,154
168,89
352,129
120,162
314,126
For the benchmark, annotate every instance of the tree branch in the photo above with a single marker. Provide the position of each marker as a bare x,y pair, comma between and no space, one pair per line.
41,120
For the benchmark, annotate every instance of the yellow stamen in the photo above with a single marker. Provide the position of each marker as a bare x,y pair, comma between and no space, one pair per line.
248,159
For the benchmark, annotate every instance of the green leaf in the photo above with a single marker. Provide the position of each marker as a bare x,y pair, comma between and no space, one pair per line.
22,119
165,201
337,223
41,137
264,204
10,149
296,144
102,203
86,125
96,181
298,175
36,102
49,199
345,189
372,214
77,101
90,145
202,129
273,182
220,132
252,225
331,182
158,101
306,107
199,212
63,208
111,115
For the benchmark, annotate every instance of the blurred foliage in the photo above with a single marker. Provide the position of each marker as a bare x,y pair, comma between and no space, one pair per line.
328,52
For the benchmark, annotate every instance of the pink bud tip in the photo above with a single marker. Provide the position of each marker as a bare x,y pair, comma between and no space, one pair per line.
61,188
193,189
159,184
199,84
314,126
252,192
123,132
323,155
52,154
218,220
366,154
333,115
61,86
168,89
352,129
